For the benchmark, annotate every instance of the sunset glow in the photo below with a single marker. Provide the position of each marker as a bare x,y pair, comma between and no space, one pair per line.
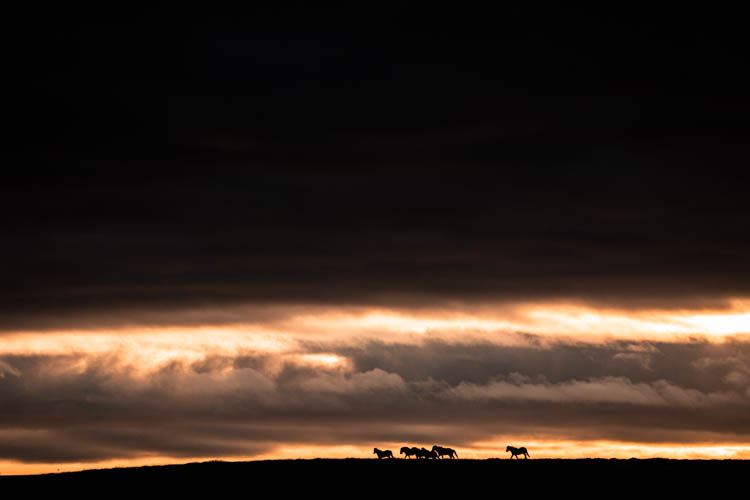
157,345
253,358
482,451
283,235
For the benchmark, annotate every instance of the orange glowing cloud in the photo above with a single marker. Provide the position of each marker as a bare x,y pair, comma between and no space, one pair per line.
154,346
321,367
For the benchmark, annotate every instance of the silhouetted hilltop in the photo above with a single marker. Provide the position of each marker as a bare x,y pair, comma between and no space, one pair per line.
370,478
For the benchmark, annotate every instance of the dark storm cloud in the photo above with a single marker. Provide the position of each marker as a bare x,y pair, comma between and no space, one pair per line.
271,158
95,407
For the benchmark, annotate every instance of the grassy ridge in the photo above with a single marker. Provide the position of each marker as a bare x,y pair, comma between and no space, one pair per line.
371,478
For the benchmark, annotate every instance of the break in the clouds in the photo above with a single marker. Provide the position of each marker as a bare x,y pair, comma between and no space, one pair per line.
86,407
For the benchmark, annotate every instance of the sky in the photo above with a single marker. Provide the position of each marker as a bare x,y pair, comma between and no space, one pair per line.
298,233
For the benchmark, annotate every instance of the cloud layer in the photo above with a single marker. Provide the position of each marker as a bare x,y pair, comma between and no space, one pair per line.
88,407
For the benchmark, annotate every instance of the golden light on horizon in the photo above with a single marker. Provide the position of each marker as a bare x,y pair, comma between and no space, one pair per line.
571,449
538,449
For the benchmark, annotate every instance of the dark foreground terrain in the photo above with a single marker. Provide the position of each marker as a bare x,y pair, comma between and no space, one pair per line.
408,479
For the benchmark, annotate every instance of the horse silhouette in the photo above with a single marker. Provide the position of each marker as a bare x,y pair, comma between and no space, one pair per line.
408,452
423,453
514,452
382,453
444,451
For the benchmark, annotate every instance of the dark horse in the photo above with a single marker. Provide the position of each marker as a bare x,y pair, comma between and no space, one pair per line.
514,452
382,453
444,451
409,452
